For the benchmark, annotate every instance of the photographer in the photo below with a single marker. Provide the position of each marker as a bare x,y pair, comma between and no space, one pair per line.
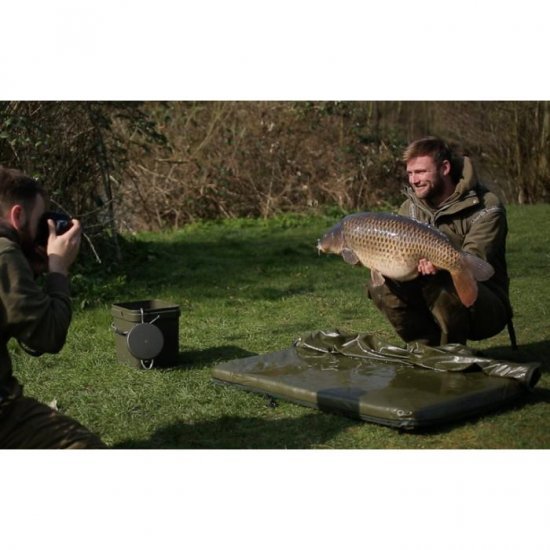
37,318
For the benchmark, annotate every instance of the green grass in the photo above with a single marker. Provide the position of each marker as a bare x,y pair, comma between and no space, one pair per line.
248,287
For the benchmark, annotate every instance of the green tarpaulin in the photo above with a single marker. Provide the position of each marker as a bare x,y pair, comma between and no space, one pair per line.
362,376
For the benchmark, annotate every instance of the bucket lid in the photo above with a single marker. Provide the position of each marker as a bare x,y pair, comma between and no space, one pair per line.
145,341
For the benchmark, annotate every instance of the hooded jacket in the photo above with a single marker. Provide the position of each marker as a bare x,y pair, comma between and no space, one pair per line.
37,317
474,219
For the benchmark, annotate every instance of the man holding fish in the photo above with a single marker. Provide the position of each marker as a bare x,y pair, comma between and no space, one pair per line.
438,269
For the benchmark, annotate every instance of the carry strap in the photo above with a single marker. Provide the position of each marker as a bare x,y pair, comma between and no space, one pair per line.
512,334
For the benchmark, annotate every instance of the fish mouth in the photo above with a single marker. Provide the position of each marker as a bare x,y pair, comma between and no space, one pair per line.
320,247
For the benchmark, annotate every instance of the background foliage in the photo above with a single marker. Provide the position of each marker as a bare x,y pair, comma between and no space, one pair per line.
80,150
156,165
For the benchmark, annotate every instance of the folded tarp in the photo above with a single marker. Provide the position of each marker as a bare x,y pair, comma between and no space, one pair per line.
364,377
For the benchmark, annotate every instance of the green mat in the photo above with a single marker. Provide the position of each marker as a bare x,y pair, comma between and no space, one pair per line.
364,377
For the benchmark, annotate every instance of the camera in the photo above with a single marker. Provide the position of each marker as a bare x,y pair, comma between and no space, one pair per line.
62,224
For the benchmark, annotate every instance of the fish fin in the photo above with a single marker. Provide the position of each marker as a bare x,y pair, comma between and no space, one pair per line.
349,256
481,270
465,285
376,277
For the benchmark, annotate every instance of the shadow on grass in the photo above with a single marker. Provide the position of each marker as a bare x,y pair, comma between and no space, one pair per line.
307,432
533,397
517,403
537,352
539,395
232,432
242,259
201,358
499,409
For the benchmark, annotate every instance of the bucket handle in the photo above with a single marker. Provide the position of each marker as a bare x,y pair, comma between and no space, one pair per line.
147,366
116,330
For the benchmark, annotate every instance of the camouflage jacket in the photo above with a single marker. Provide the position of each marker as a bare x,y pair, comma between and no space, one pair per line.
37,317
474,219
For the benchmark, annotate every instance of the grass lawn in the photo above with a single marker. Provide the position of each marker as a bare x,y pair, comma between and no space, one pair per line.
248,287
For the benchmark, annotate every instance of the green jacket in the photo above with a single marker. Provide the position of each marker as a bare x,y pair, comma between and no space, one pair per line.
37,317
474,219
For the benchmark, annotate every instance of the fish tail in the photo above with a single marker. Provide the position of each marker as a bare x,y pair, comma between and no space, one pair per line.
465,285
481,270
465,278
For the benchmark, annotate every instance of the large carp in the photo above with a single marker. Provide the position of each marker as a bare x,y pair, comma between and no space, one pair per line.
392,246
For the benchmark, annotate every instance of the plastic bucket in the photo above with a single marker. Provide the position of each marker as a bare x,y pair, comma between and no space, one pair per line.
146,333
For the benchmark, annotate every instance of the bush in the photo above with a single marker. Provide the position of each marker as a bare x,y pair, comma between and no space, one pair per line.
79,150
235,159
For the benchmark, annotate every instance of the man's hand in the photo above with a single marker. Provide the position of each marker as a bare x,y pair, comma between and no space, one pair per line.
425,267
63,249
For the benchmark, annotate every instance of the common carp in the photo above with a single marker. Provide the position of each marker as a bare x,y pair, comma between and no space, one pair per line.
391,246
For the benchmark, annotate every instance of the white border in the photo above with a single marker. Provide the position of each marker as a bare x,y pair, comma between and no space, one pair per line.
290,49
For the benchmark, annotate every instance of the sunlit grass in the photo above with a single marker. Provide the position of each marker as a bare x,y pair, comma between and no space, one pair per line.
248,287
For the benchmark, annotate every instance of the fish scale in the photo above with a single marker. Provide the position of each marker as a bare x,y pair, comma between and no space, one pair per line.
388,242
392,246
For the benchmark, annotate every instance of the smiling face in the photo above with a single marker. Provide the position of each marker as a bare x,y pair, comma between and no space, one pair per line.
428,181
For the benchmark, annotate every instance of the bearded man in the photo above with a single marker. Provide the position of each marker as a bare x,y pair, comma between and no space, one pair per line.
444,192
37,317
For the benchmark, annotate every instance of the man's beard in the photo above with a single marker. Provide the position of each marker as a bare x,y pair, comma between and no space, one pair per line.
27,242
36,255
436,190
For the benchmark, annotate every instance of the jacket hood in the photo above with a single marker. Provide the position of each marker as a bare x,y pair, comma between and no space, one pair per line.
467,182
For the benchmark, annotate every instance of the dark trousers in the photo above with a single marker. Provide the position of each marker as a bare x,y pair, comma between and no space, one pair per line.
25,423
427,309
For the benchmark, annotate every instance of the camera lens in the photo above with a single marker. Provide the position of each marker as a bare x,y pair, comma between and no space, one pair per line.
62,224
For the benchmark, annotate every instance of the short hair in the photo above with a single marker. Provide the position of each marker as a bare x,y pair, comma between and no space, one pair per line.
18,188
440,151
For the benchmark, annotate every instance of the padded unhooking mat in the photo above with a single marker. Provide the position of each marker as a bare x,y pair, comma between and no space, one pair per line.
361,376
